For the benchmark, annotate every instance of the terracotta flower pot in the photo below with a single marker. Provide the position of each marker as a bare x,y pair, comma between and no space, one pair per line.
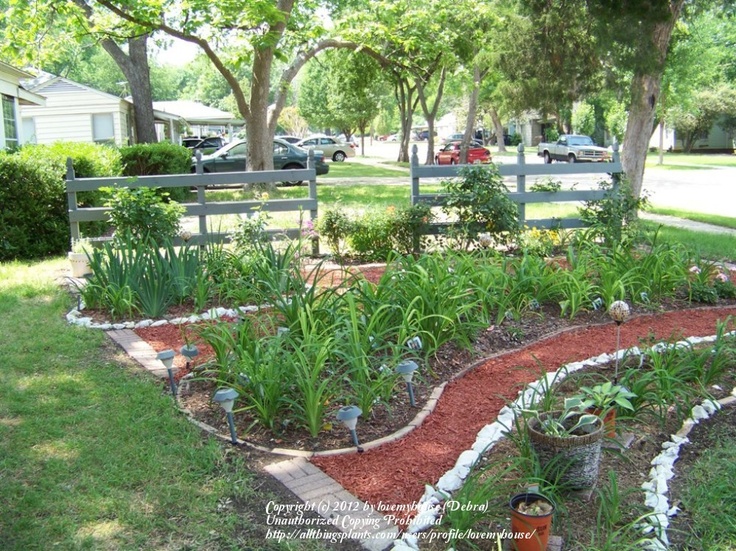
609,420
531,532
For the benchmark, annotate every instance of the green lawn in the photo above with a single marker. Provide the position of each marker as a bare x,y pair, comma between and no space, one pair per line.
93,454
356,169
692,159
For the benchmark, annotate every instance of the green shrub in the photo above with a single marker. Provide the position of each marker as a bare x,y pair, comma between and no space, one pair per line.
33,218
479,200
158,158
141,213
370,237
409,225
89,160
614,218
334,225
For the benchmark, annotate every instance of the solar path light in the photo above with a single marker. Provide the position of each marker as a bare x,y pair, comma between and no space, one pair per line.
226,398
166,357
406,369
349,417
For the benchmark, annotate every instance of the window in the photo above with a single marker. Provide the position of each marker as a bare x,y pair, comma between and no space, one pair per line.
103,127
9,122
279,149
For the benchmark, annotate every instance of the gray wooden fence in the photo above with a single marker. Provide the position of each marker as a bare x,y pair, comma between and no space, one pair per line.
522,197
201,208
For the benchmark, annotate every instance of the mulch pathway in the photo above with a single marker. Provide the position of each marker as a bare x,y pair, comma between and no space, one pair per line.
397,472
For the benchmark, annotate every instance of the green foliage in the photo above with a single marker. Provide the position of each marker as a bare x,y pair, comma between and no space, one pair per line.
334,225
251,234
33,219
374,235
141,213
583,119
479,199
89,161
371,235
158,158
614,218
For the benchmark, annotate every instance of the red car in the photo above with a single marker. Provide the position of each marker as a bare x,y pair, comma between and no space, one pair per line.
450,154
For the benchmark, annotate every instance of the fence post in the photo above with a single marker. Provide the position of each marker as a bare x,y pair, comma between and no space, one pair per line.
201,198
521,183
313,195
413,164
71,199
616,176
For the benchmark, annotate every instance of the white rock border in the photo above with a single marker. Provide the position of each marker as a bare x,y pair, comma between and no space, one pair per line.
76,317
429,506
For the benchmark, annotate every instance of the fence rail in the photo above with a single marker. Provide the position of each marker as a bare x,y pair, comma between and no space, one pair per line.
522,197
201,208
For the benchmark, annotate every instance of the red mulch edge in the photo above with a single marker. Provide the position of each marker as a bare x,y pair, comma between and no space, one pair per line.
397,472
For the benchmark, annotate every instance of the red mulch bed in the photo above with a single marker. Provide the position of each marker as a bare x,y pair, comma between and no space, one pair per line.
396,473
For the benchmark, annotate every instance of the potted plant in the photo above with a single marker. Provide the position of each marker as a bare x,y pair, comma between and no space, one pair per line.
79,257
603,400
531,521
568,443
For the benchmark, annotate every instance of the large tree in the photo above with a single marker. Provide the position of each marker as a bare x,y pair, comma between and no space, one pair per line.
233,34
34,32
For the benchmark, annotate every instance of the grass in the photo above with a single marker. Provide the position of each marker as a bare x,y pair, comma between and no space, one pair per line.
714,219
708,495
707,245
356,169
703,160
92,453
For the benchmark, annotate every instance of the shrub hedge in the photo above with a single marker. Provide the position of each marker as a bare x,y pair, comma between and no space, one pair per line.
34,221
158,158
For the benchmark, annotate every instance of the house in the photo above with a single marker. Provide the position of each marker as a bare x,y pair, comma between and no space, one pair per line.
716,140
78,113
202,119
13,96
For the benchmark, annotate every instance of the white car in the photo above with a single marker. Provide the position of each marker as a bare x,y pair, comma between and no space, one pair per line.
333,148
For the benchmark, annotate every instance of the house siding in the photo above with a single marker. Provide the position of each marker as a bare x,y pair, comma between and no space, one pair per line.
67,115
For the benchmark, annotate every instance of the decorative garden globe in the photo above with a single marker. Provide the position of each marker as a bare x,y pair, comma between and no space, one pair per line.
619,311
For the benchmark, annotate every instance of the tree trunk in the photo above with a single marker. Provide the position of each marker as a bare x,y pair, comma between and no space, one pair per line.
257,124
431,113
645,88
404,92
138,74
498,129
472,112
134,66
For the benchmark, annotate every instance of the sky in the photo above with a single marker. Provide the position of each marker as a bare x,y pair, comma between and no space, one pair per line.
178,54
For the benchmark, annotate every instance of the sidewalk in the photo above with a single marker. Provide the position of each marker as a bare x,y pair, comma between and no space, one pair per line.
685,224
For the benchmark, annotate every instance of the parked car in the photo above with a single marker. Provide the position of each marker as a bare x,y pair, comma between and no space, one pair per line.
450,154
332,148
573,149
290,139
286,156
458,137
211,143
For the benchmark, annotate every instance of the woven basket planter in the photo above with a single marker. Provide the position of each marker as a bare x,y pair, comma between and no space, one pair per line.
573,460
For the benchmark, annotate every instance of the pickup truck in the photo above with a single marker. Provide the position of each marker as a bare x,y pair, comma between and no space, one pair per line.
573,149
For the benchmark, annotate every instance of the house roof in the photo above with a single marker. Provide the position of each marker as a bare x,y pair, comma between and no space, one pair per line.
196,113
15,77
46,80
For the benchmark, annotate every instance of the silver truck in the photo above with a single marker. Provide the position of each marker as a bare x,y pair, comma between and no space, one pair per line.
572,148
